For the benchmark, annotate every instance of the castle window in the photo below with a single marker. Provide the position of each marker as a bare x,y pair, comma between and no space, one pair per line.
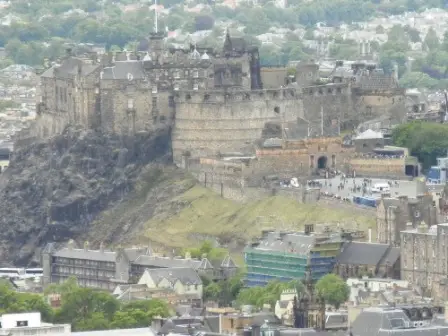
195,86
154,89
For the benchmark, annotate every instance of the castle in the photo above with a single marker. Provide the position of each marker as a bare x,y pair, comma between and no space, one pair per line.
215,101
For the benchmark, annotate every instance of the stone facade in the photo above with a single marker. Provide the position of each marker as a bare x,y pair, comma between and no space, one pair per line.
215,100
210,122
105,269
424,259
397,214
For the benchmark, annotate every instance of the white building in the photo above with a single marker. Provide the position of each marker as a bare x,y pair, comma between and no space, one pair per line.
30,324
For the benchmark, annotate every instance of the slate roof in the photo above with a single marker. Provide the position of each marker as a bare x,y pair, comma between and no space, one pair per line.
391,257
205,264
186,275
69,68
228,262
391,321
377,81
359,253
96,255
156,261
124,70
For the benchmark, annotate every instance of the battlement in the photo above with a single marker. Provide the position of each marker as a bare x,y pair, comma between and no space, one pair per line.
327,89
219,97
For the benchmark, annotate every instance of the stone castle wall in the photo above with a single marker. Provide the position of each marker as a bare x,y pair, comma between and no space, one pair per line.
392,168
210,122
332,101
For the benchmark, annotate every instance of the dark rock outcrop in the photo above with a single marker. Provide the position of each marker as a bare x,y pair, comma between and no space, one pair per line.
53,190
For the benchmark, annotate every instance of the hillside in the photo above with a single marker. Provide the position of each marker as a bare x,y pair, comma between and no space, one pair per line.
192,213
85,185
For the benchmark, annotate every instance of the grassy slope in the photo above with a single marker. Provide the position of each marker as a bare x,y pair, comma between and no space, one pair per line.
209,214
169,209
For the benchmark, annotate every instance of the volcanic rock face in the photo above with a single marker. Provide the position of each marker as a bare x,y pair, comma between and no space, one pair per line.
53,190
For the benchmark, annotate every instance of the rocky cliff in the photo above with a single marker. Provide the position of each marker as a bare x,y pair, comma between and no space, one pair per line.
53,190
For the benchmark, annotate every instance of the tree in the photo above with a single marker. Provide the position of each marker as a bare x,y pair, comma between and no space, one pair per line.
333,289
426,141
418,80
269,294
203,22
431,39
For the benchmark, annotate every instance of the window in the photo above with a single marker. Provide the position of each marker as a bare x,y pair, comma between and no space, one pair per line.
22,323
171,101
195,87
195,74
177,74
154,101
154,89
176,87
311,161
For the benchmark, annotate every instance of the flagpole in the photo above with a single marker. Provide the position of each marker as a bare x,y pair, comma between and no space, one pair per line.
156,27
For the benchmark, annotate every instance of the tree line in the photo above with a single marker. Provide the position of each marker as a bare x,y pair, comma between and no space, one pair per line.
83,308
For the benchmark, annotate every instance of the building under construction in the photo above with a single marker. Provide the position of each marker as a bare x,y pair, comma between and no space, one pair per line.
286,256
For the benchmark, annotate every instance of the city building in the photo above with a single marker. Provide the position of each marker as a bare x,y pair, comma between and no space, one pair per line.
286,256
105,269
184,281
25,324
359,259
424,256
394,214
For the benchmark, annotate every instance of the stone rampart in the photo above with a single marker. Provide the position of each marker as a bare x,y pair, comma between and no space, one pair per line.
209,122
332,102
378,167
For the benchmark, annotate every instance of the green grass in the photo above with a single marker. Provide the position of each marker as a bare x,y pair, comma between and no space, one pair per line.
207,213
188,213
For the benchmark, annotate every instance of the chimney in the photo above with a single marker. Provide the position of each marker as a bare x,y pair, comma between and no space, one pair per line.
70,244
86,245
101,247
